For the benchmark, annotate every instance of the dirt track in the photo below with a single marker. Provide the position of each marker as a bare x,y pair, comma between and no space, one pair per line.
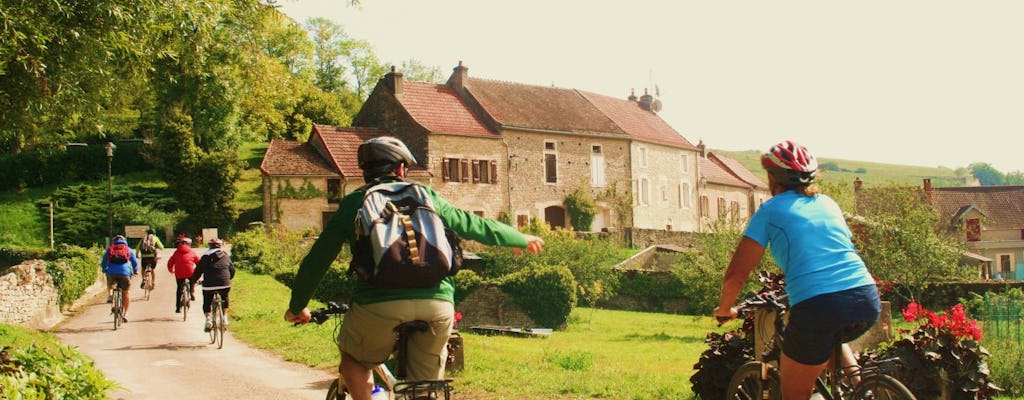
156,355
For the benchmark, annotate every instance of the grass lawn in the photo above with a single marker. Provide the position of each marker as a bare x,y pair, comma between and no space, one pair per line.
603,354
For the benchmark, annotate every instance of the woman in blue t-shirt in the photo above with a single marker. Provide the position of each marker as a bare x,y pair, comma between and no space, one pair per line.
829,288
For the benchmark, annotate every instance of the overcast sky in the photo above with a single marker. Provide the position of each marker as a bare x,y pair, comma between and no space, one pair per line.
928,83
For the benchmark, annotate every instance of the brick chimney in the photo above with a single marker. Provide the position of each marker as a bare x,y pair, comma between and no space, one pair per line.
857,184
702,148
459,76
394,81
928,189
632,95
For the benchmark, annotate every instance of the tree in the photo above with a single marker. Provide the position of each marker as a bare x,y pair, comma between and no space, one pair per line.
67,66
580,206
414,70
986,174
904,240
329,41
1014,178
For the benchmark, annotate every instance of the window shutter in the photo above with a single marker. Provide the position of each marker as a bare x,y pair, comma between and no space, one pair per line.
494,171
445,176
464,163
476,171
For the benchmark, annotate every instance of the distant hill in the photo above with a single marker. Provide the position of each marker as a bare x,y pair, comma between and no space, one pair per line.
870,173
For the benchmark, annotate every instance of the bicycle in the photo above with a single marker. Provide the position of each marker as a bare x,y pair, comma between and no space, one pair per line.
759,379
218,321
117,307
184,299
147,282
394,385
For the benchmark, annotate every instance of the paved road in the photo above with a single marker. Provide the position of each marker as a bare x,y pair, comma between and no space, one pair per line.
156,355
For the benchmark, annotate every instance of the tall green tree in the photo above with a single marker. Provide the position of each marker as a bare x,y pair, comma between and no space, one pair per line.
905,240
69,69
986,174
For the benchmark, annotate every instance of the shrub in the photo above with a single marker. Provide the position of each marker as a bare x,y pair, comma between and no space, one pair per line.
581,208
10,256
37,373
546,293
466,282
73,269
942,352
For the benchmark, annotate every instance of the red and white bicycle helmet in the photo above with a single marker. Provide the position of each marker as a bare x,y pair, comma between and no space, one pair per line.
791,162
216,242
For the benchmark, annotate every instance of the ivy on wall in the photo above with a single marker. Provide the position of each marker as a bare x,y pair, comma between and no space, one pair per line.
304,192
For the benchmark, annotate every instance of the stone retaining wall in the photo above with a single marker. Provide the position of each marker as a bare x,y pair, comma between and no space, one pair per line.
27,296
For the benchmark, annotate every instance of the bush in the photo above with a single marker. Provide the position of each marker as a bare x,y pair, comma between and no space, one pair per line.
73,269
942,352
546,293
11,256
279,253
37,373
466,282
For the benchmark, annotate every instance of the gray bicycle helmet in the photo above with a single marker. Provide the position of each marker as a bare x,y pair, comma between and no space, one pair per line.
381,155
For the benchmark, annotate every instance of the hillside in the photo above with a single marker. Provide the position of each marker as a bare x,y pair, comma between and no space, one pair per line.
870,173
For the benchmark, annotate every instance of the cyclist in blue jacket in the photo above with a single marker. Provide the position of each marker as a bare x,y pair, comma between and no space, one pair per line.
119,273
829,287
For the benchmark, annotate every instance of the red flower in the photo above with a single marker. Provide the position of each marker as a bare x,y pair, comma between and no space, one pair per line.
910,313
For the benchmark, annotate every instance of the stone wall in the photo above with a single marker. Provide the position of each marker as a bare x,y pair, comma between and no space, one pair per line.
488,305
27,296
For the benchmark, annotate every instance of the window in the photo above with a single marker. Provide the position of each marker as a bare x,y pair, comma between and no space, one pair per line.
664,194
596,166
455,170
485,171
643,191
973,228
522,220
550,162
704,207
334,191
734,210
642,156
1005,266
478,213
684,195
684,163
721,207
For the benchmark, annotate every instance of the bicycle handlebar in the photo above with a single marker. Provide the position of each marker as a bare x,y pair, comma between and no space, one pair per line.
321,315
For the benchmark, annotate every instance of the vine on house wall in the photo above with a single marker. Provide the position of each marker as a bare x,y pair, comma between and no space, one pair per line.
622,203
305,192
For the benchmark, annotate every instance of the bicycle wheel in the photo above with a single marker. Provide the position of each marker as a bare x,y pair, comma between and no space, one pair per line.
332,392
881,387
746,383
147,282
116,307
213,321
184,300
221,325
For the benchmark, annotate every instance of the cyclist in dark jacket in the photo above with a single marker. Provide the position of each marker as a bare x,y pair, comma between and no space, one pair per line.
218,269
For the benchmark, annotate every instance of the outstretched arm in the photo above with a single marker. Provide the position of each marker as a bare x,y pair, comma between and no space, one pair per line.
746,257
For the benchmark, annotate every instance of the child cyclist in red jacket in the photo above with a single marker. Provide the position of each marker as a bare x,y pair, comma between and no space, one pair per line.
182,264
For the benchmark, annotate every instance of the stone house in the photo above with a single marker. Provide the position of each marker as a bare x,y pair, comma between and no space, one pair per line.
992,218
727,189
494,148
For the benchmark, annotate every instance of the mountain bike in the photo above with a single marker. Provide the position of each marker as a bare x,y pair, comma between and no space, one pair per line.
117,307
218,321
760,379
184,299
147,282
394,385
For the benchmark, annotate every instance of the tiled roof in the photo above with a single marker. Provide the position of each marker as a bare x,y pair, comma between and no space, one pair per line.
342,144
714,173
636,122
294,158
438,109
1002,205
740,171
539,107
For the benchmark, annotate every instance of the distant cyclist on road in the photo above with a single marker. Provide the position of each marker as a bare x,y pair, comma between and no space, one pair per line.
147,248
182,264
119,264
217,270
829,288
367,336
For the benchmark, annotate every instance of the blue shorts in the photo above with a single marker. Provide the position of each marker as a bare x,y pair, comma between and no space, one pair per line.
815,323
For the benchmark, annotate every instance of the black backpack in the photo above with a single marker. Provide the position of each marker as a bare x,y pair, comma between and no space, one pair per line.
401,242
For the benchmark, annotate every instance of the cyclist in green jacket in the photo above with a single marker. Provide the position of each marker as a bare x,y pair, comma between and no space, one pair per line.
147,249
366,337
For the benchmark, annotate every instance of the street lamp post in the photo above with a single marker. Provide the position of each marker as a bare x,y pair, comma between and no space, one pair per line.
110,190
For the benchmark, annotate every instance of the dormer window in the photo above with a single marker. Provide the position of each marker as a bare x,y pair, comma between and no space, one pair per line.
972,228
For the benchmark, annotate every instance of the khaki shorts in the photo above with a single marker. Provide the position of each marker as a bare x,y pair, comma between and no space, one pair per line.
367,334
